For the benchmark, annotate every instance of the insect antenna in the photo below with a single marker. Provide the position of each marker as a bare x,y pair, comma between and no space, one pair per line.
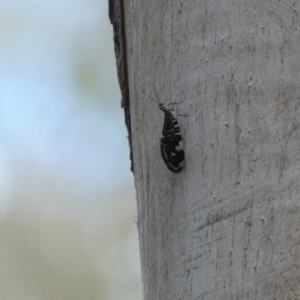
156,95
156,101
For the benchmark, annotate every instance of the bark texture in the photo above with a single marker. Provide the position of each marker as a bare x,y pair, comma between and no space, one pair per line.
116,14
227,226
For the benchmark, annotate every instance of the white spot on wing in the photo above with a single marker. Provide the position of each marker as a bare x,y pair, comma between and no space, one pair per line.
180,146
182,164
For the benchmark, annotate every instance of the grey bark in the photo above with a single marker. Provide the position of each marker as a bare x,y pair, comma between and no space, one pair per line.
227,226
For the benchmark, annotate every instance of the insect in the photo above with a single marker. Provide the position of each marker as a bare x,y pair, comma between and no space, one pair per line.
171,144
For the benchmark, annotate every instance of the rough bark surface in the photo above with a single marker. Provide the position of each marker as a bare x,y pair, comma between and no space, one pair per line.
227,226
116,15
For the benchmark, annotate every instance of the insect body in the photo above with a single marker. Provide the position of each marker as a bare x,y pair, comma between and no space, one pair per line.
171,144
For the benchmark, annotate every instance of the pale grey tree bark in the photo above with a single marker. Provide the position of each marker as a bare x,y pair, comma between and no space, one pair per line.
227,226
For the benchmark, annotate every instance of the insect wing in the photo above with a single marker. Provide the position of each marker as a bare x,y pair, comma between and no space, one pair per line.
172,148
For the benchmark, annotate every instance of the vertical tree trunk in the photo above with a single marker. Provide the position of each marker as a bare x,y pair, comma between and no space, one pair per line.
227,226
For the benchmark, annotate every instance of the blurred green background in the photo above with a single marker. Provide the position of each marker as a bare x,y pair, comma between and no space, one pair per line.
67,199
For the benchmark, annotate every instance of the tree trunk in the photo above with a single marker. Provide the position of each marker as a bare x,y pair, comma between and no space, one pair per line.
227,226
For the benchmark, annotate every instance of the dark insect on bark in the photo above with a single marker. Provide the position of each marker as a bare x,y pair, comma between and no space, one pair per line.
171,144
